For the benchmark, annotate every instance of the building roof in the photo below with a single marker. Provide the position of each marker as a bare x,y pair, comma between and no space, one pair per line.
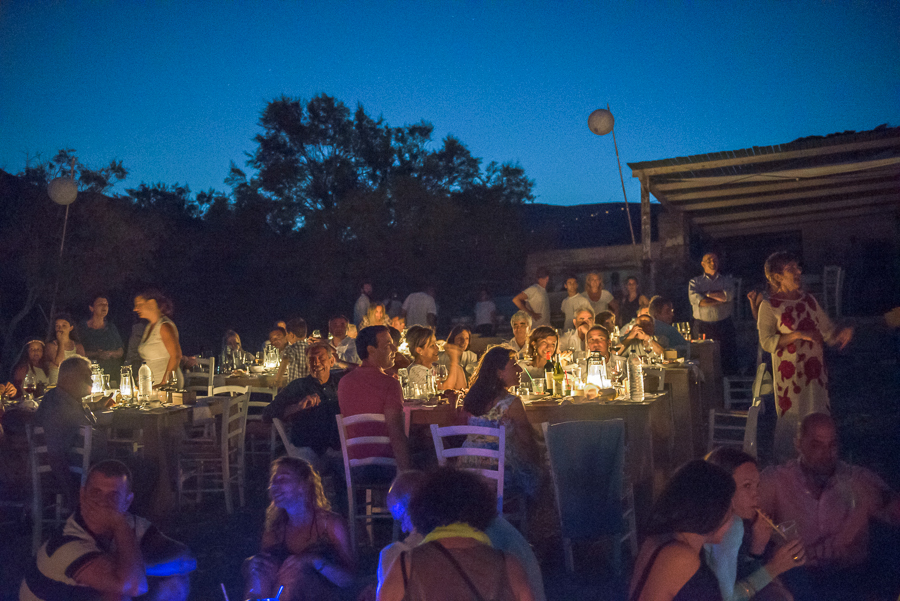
778,188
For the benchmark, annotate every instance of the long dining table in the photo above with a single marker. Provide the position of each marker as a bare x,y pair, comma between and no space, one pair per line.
649,434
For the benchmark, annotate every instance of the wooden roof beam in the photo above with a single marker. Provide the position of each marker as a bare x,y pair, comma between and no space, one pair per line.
758,199
797,209
785,223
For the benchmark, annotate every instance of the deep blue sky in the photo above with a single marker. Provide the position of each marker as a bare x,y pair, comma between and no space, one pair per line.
175,88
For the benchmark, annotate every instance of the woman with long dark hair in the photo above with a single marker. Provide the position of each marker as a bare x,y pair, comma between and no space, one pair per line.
305,546
693,509
490,404
63,343
31,361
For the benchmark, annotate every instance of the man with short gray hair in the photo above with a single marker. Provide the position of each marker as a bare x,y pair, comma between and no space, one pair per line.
521,327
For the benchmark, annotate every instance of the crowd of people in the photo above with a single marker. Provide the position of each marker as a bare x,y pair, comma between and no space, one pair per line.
713,532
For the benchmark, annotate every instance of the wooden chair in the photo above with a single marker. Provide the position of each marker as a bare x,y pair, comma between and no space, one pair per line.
832,289
220,460
370,511
202,380
594,500
43,482
261,437
738,391
498,455
734,429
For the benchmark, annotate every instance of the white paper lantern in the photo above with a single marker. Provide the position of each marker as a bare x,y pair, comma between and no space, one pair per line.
62,191
601,122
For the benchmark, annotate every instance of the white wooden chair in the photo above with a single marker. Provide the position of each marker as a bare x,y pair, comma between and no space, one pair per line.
261,437
370,511
591,451
498,455
217,464
832,289
43,481
738,392
202,380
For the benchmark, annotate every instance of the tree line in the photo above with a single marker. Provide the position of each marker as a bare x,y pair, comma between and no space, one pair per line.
327,198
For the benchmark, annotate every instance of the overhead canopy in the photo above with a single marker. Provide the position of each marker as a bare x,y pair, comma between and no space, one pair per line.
778,188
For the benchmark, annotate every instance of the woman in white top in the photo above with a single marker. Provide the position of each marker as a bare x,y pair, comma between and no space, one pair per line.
159,346
63,345
31,361
424,350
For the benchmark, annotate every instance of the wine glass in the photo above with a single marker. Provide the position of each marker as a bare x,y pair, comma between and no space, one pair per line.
441,373
29,386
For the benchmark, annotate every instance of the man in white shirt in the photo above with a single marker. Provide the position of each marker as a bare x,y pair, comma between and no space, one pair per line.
534,300
572,303
573,340
521,327
712,300
419,309
599,299
362,303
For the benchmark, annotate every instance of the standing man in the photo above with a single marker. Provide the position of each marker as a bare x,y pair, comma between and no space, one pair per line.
712,299
572,303
600,300
362,303
534,300
367,389
419,309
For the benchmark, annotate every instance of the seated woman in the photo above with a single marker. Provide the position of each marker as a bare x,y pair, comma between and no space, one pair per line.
490,404
232,351
63,344
542,344
735,560
468,361
305,546
424,350
31,361
693,509
375,316
455,560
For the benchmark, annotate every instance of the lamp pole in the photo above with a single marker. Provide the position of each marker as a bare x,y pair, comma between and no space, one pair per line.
601,122
63,191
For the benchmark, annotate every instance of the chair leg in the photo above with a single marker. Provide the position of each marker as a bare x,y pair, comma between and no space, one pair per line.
351,502
37,523
369,521
226,485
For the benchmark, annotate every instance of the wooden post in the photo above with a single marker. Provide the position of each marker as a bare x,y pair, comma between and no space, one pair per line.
646,258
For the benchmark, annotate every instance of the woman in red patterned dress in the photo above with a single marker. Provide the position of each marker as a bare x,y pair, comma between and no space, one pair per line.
793,327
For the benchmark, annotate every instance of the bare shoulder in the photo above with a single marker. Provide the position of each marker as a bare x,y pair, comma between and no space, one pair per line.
679,556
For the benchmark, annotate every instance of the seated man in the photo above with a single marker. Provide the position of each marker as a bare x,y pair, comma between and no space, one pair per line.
105,552
663,313
345,346
308,405
521,327
597,340
61,413
832,503
640,339
573,339
368,389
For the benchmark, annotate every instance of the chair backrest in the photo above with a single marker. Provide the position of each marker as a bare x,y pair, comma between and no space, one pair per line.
38,455
497,455
256,408
738,391
587,465
660,377
750,445
832,286
347,442
727,429
291,449
204,377
230,390
234,423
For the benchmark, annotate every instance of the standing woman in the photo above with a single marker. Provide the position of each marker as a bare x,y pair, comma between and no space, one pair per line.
793,327
159,346
693,509
101,338
631,301
63,344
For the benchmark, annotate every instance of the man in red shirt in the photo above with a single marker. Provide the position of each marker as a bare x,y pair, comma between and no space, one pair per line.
368,389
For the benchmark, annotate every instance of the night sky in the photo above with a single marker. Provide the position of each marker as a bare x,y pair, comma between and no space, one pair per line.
175,88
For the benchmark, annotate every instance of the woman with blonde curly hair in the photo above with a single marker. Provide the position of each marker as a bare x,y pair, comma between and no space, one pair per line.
305,546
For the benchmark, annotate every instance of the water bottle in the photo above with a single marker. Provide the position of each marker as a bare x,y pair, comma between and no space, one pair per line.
636,377
145,383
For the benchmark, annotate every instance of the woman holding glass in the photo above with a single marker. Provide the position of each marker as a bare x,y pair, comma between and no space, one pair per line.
794,328
424,350
159,346
61,346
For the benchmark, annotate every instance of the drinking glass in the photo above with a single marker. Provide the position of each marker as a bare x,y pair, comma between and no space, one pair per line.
537,386
29,386
441,373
